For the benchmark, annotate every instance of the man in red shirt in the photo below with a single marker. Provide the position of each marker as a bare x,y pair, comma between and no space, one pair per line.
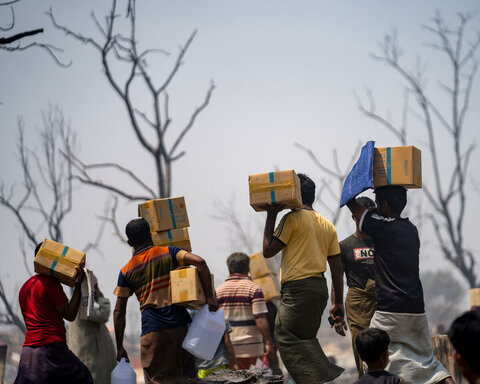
45,355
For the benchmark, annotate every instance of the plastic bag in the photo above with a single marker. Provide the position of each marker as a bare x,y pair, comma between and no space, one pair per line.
87,296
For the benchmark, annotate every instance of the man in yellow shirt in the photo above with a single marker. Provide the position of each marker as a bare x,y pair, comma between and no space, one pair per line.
307,240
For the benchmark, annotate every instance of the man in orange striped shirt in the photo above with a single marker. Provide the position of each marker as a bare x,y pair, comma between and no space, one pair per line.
164,325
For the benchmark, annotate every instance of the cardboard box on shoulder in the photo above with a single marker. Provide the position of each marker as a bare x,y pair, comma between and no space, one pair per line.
260,266
176,237
164,214
282,187
186,288
270,287
397,166
58,260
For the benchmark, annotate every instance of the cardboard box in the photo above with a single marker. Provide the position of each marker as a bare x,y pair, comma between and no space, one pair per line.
58,260
260,266
186,288
270,287
164,214
397,166
475,297
176,237
281,187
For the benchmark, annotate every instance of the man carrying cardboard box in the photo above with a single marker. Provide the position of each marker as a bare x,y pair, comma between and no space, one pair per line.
164,325
308,241
45,357
245,309
399,295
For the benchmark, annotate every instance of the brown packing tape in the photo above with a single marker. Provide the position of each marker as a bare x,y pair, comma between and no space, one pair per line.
182,273
66,260
267,187
183,295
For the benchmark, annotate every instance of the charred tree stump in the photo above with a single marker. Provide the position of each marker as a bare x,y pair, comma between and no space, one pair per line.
3,359
443,352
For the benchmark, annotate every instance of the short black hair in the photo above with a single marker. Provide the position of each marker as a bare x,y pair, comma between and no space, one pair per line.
371,344
464,334
394,195
37,248
307,187
138,232
238,262
365,202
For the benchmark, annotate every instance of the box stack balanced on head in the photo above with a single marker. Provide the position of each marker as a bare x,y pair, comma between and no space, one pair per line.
168,220
264,272
58,260
397,166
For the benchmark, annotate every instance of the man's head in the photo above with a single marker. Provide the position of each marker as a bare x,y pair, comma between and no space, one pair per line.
37,248
365,202
307,187
238,262
464,334
391,200
138,232
372,346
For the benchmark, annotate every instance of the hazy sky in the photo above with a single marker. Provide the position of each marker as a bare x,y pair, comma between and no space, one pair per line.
285,72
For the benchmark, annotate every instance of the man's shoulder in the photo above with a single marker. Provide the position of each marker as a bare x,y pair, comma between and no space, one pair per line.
347,241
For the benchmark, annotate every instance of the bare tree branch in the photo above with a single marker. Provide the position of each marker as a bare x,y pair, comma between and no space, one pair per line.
123,47
18,36
449,194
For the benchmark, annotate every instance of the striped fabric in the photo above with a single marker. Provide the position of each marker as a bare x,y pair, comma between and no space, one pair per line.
147,274
241,299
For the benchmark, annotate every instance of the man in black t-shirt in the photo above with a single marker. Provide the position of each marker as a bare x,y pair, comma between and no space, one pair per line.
357,256
399,294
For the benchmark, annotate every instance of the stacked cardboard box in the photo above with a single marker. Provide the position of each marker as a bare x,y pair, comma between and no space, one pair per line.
58,260
176,237
168,220
264,272
397,166
282,187
186,288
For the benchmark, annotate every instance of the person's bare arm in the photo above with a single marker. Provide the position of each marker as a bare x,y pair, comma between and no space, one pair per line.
332,291
356,209
271,246
230,351
69,310
205,278
119,322
336,271
262,324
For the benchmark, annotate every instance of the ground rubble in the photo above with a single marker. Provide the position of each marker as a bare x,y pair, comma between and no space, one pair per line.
251,376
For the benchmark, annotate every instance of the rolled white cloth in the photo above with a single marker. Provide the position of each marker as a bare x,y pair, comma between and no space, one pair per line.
411,353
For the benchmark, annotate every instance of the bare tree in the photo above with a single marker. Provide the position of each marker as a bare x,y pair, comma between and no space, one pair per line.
448,192
14,42
116,48
43,201
337,174
10,317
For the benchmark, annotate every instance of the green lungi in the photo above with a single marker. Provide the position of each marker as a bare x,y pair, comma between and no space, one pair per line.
296,326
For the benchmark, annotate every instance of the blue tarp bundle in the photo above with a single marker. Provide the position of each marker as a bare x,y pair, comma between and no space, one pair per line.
360,177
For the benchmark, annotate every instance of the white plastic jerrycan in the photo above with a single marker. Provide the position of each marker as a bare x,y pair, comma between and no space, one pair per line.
205,333
123,373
